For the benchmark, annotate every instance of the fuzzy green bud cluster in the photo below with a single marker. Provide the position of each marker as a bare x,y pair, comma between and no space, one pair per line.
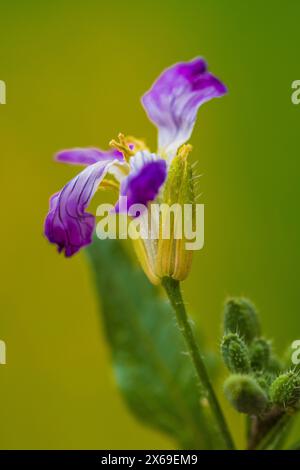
258,383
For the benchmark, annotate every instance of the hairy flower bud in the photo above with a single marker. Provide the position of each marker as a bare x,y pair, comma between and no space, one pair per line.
264,380
285,390
245,394
240,317
235,353
260,353
274,365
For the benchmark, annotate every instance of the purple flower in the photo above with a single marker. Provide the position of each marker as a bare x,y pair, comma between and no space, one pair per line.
171,104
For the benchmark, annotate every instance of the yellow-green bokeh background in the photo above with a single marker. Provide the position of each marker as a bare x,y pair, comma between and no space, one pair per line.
75,72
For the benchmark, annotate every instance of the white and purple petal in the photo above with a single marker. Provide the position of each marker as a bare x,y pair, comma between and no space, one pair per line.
147,174
174,99
87,156
67,224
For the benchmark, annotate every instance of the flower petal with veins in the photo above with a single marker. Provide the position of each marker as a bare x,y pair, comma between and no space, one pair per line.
174,99
87,156
67,224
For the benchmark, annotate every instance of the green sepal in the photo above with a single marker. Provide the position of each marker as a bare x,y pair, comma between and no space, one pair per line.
179,187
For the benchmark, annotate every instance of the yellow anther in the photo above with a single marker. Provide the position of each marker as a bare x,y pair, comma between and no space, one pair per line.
128,145
122,145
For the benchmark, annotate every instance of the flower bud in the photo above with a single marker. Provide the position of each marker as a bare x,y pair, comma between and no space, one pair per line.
260,352
285,390
245,394
264,380
274,365
173,258
235,353
240,317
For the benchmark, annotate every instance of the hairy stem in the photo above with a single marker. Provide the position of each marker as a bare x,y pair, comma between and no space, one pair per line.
172,288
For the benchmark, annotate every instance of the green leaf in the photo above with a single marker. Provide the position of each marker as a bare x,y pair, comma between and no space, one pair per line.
153,372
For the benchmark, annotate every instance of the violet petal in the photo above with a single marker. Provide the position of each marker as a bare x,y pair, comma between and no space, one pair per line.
147,174
174,99
67,224
87,156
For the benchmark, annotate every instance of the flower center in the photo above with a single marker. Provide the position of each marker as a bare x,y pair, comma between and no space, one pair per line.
128,145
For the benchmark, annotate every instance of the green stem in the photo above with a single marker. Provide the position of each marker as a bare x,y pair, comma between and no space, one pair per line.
172,288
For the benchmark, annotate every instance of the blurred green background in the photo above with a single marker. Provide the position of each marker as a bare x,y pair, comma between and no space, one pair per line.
75,72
